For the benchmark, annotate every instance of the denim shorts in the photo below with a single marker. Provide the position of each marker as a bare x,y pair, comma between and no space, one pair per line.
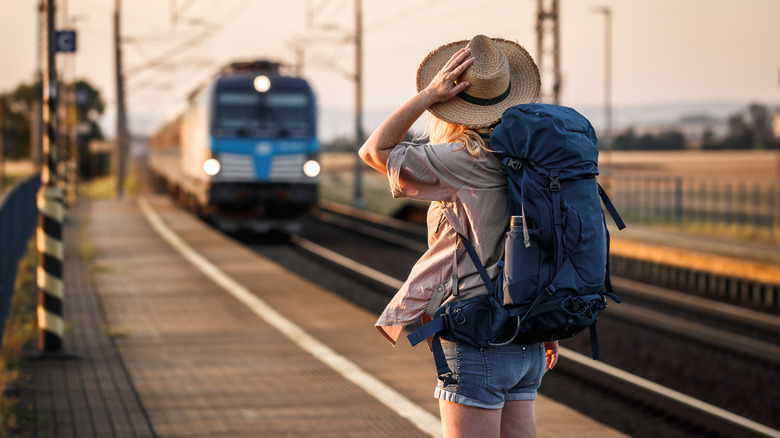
487,377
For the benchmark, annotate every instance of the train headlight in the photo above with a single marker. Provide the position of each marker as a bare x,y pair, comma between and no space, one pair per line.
311,168
262,83
211,166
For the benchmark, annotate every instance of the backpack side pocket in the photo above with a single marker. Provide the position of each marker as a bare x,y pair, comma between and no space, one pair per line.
521,276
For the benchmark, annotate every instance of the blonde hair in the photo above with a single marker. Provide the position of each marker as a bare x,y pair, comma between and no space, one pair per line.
439,131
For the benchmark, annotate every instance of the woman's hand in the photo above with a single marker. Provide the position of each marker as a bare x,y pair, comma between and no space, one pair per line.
551,353
376,150
444,86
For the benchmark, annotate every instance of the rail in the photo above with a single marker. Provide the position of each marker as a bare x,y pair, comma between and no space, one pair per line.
660,397
18,213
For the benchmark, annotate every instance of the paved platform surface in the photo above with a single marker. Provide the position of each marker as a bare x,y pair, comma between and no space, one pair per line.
171,344
90,393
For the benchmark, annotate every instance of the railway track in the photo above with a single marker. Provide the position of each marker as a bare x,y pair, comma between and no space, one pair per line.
674,365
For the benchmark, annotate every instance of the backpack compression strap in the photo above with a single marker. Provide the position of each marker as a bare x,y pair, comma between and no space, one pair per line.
611,208
432,328
555,195
610,292
620,224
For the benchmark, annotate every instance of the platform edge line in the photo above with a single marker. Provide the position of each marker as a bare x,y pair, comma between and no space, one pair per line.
422,419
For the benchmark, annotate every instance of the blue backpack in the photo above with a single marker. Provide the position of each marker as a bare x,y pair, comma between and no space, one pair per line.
555,278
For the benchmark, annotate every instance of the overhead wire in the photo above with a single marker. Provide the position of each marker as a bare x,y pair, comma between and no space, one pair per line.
165,60
189,43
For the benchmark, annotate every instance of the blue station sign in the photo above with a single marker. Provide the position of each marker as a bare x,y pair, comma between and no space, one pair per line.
65,41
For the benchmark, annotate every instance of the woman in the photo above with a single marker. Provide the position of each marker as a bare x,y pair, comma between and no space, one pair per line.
466,85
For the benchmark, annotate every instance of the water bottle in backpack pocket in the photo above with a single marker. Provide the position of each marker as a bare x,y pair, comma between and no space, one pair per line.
521,277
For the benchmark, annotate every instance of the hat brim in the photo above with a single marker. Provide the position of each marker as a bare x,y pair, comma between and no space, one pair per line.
524,80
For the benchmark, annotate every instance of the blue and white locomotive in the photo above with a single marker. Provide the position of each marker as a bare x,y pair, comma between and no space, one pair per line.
244,154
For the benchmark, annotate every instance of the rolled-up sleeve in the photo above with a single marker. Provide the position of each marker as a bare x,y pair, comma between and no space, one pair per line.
427,172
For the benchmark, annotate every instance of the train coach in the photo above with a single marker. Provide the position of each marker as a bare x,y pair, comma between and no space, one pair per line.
244,153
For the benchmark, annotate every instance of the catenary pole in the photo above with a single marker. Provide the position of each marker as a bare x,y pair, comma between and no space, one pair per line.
68,126
36,143
552,74
51,290
358,199
73,122
608,75
121,115
606,139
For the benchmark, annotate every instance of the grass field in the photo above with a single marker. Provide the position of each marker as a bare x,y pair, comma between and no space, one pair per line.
748,166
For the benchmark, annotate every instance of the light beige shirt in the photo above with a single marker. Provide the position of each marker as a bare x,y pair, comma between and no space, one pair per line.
468,196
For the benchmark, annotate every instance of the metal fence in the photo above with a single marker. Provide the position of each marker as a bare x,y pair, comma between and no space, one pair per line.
18,220
752,206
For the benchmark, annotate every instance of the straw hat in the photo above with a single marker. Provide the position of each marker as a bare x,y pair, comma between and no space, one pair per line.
503,75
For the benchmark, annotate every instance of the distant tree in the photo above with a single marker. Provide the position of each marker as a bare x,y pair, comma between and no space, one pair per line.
708,141
666,140
669,141
760,125
738,133
21,104
626,140
748,129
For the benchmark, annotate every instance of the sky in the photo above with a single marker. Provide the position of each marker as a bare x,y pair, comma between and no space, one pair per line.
663,51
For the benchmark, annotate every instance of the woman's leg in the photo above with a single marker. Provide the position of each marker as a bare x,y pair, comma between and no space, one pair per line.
461,421
518,419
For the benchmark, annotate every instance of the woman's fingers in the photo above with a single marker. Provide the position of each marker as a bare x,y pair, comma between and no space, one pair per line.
462,67
445,84
460,86
457,58
454,68
456,63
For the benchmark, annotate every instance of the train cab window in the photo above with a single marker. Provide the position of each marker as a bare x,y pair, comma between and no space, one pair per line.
272,113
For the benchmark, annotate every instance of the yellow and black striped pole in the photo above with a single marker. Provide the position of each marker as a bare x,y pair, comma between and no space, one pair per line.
51,290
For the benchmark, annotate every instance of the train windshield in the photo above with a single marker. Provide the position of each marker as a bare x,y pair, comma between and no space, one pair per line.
276,113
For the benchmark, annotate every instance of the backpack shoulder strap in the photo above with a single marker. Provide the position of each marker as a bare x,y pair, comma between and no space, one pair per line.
480,267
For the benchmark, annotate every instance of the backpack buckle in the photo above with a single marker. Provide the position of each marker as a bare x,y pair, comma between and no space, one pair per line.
555,183
512,163
447,379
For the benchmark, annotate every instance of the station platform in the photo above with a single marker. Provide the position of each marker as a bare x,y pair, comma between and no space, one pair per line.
176,330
